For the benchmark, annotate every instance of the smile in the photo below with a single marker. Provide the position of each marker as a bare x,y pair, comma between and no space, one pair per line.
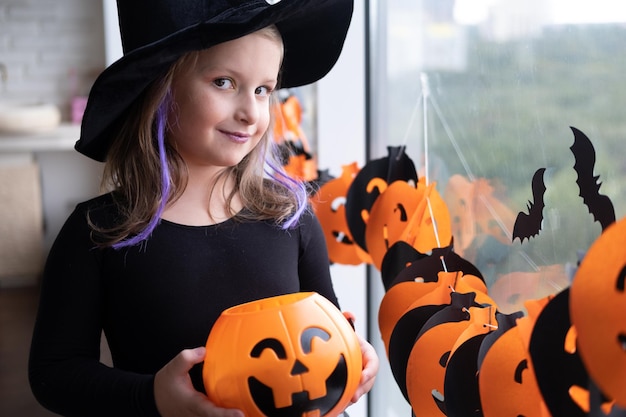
236,137
300,402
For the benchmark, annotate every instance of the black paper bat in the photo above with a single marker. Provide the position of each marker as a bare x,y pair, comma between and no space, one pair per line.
599,205
529,225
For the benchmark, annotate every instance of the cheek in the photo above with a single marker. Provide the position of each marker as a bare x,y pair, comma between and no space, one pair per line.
264,117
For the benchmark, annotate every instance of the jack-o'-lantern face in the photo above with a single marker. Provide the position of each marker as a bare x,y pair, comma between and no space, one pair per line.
327,380
283,356
370,183
598,311
507,381
406,212
329,206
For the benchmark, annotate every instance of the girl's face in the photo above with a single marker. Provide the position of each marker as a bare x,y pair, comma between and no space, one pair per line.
222,102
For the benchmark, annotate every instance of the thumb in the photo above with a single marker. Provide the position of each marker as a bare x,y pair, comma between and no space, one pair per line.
186,359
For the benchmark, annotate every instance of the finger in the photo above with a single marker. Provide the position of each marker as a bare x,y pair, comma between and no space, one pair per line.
186,359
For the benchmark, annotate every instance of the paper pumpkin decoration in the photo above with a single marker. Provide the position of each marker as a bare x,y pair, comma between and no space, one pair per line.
598,311
508,386
405,212
440,260
370,182
408,326
506,382
395,303
416,280
460,386
399,256
329,206
561,375
426,366
291,355
299,161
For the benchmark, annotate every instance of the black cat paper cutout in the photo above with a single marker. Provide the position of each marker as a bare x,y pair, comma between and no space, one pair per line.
529,225
599,205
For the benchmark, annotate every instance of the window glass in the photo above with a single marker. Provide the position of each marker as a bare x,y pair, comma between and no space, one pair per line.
485,93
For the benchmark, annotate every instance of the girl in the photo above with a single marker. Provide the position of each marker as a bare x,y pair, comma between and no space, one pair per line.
201,216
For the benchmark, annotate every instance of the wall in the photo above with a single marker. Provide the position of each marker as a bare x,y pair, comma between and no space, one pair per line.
340,141
51,49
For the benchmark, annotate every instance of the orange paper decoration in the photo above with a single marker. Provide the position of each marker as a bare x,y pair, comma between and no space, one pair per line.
416,215
598,311
329,206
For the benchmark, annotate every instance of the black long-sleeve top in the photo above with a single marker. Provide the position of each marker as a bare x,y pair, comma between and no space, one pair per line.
152,301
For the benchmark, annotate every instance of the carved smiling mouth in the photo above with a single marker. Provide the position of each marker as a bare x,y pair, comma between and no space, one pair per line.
300,402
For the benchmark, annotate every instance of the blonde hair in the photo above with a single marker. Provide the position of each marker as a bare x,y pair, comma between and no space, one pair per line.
134,171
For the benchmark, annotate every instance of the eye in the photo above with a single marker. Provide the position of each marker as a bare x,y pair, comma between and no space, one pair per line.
521,367
223,83
271,344
263,91
621,278
400,208
309,334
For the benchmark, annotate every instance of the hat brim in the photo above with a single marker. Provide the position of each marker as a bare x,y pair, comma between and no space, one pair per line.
313,33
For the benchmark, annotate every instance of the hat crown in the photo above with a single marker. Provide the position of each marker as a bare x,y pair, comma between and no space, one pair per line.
143,22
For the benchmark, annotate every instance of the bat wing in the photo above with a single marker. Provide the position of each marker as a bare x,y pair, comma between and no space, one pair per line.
599,205
528,224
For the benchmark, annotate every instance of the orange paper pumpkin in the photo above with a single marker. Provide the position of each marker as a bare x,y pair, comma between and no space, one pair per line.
461,379
409,324
426,365
329,206
290,355
370,182
416,215
598,311
560,373
507,382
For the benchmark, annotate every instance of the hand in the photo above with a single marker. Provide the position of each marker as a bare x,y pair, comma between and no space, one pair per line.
370,369
175,395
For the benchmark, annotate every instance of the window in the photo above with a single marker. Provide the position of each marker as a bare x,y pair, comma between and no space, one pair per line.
483,94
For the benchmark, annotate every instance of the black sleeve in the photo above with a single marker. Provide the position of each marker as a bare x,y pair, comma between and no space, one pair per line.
65,373
314,264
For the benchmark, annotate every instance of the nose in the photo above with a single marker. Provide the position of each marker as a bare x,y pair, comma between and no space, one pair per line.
299,368
247,108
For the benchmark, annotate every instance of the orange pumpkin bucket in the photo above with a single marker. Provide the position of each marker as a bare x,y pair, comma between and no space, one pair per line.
293,354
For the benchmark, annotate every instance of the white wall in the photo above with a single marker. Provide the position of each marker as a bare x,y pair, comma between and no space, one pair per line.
52,49
341,141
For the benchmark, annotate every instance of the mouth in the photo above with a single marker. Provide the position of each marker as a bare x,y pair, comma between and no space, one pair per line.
237,137
300,402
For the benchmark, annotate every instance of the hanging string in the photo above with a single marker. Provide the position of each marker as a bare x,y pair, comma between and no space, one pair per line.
425,96
466,167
